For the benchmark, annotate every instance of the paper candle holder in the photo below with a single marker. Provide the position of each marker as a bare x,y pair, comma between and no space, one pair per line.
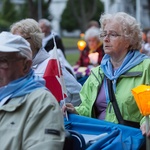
142,97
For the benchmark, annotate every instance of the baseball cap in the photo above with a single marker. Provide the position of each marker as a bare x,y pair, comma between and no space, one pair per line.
14,43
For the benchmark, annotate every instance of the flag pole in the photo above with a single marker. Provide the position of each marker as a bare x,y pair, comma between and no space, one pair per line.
66,114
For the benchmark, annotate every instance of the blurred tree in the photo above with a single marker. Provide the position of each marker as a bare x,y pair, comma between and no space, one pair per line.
78,13
32,6
11,13
8,14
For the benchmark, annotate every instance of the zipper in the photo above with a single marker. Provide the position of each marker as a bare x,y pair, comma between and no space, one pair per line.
110,108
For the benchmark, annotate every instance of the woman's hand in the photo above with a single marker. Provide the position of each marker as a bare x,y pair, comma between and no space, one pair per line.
143,129
68,107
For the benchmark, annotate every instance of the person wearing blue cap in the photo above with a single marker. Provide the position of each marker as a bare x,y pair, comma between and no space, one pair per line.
26,106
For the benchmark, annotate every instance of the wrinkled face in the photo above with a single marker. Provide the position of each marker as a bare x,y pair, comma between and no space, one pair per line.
93,43
114,42
12,67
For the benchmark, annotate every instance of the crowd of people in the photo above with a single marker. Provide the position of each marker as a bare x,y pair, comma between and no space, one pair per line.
30,30
31,117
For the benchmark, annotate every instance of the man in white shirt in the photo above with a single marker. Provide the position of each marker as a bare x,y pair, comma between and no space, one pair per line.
48,42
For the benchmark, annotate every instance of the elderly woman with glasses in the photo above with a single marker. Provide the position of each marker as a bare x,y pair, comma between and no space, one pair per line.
122,68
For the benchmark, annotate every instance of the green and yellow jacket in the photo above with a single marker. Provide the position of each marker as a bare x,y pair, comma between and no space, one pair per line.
136,76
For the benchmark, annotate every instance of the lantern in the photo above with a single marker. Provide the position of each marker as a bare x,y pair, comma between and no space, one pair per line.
142,97
81,45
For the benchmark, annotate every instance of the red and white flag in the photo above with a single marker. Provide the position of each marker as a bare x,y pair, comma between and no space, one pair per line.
54,77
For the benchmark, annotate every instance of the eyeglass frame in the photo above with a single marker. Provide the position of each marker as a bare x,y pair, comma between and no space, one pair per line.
110,35
4,62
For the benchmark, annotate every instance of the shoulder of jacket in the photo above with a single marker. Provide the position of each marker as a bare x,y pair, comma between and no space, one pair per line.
147,60
145,63
96,75
42,96
97,70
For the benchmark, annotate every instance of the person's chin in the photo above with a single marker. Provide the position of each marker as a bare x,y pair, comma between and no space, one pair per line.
107,51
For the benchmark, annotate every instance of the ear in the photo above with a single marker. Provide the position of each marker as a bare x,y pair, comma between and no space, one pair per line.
27,66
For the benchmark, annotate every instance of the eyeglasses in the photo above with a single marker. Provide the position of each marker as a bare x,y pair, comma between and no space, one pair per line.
111,35
4,62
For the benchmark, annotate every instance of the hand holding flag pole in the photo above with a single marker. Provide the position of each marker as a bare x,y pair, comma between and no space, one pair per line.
63,87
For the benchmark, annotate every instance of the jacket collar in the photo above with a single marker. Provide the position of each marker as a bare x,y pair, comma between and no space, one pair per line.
40,57
13,104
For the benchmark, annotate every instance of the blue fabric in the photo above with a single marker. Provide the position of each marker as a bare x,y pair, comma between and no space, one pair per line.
132,59
119,136
22,86
83,79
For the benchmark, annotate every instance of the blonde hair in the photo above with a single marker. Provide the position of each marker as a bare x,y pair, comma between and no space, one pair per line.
131,29
29,28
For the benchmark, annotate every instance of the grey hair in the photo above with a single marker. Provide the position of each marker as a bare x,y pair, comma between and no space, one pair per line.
131,29
46,22
29,28
92,32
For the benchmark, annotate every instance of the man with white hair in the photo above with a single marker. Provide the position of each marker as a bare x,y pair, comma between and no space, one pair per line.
27,108
48,42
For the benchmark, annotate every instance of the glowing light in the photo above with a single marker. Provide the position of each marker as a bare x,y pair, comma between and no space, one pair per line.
81,45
